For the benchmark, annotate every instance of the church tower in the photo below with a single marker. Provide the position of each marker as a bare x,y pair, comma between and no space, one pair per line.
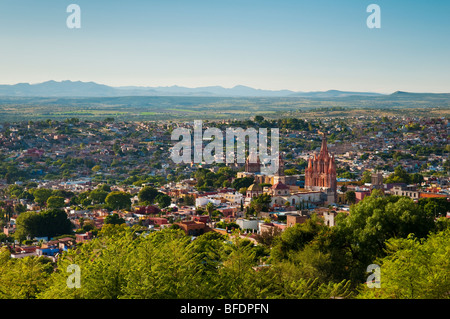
252,164
279,176
321,170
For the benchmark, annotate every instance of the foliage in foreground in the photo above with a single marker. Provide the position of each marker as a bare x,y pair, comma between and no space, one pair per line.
309,260
414,268
167,264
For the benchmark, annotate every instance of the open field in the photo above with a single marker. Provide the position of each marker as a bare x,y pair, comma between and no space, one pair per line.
188,108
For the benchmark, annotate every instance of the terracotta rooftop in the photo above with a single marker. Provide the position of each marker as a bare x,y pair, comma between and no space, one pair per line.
280,185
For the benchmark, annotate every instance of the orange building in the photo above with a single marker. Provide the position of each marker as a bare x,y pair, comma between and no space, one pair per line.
321,170
193,228
432,195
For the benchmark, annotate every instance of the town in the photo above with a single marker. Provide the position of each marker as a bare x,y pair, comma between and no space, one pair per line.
62,182
80,163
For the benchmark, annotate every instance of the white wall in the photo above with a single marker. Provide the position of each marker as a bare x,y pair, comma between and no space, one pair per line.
247,223
203,201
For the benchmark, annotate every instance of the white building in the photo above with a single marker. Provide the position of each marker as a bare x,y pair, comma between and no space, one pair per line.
234,198
298,198
203,201
247,223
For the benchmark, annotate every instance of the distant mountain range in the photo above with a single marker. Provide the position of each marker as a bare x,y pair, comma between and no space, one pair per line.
78,89
92,89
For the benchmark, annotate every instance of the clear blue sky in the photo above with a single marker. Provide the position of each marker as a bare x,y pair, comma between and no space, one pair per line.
297,45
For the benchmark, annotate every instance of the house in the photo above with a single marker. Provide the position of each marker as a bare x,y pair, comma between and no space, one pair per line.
328,215
158,221
33,153
193,228
147,210
234,198
329,218
65,243
227,211
247,223
204,200
360,194
270,227
409,191
81,238
293,219
9,230
201,218
47,251
26,251
304,198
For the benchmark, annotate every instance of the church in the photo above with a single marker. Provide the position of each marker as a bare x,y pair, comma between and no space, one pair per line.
320,181
253,169
320,175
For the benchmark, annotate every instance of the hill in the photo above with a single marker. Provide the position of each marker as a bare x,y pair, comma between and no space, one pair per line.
92,89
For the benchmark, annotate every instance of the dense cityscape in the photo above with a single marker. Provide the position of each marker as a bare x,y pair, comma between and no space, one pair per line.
69,186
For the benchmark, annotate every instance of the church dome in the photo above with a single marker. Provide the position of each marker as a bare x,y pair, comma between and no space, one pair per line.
254,188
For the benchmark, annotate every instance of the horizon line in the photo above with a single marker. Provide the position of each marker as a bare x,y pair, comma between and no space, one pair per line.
224,87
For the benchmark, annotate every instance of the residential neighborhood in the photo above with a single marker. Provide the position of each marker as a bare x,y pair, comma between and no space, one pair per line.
81,163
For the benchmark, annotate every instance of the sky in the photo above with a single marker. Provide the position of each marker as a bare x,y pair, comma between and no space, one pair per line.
298,45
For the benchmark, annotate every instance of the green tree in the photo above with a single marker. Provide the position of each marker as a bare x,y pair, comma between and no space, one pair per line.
348,175
258,119
399,176
98,195
118,200
367,177
210,208
49,223
147,194
373,221
55,202
436,207
27,224
236,272
163,200
14,191
41,195
291,171
296,237
268,237
104,263
414,269
23,278
350,197
417,178
261,203
243,190
225,225
114,219
104,187
243,182
19,208
121,263
189,200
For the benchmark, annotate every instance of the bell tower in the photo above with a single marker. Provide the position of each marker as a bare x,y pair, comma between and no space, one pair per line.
321,170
